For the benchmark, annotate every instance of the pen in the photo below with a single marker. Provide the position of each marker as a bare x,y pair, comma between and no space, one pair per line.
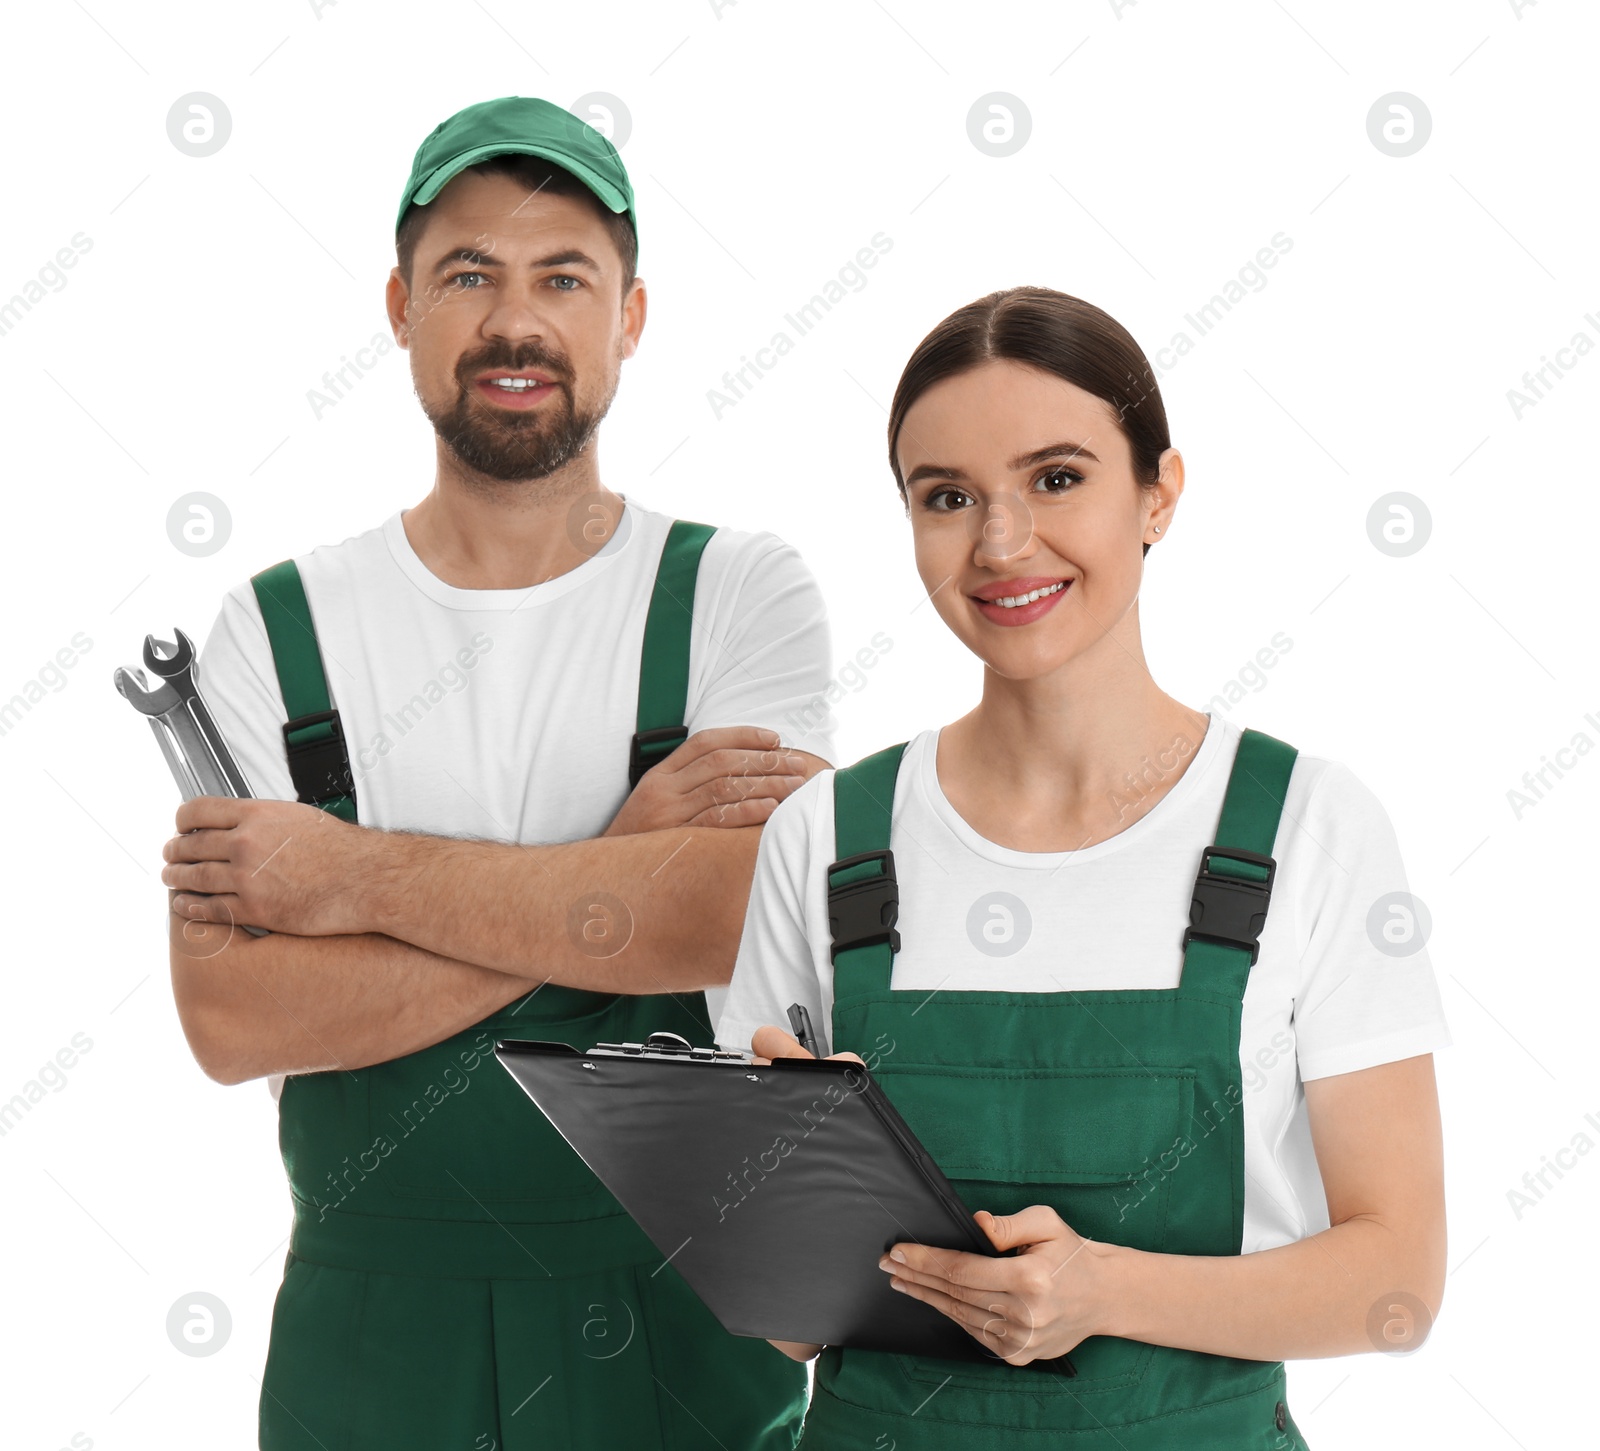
800,1026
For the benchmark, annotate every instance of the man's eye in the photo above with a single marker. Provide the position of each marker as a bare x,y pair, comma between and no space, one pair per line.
467,281
566,277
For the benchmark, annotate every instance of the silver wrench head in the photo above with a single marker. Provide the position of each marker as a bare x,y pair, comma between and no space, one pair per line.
179,656
135,689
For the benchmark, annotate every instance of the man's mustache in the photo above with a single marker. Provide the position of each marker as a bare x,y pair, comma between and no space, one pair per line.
513,360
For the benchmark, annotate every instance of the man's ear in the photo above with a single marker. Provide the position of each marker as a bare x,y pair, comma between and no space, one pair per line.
397,302
634,307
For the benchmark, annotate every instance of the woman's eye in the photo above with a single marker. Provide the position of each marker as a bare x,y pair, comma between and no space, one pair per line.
935,500
1058,481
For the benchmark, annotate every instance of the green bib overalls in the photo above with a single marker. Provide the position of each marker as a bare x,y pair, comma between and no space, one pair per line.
1119,1109
457,1279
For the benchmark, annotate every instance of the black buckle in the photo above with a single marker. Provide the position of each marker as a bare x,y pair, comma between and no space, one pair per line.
864,912
670,736
1230,910
320,768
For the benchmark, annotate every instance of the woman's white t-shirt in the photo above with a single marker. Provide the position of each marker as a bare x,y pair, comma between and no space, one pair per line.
1343,980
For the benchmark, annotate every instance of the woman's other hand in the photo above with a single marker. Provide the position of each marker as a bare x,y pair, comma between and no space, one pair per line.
797,1349
770,1042
1034,1305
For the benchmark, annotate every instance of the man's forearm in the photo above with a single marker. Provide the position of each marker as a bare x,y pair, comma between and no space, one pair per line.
283,1004
659,911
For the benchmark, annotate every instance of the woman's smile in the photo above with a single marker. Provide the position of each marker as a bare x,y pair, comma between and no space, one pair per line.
1019,601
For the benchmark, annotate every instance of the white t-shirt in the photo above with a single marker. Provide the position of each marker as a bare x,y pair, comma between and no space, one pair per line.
507,714
1325,996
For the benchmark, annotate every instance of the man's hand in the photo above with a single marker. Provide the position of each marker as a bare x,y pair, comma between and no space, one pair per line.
274,864
731,776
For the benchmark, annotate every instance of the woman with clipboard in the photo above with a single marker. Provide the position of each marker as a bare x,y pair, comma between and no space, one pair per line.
1156,998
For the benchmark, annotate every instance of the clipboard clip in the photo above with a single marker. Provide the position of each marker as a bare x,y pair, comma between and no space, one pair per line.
673,1046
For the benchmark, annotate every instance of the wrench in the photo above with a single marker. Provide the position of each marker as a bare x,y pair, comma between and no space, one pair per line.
196,753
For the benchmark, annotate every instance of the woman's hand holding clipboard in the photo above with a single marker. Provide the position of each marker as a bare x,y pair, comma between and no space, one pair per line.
739,1168
1047,1292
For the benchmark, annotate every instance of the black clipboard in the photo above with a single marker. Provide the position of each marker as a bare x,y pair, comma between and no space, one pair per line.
772,1189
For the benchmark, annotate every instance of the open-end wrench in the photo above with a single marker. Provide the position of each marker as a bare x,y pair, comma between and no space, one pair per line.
196,753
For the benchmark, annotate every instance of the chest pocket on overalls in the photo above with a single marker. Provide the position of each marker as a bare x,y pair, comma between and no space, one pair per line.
1103,1148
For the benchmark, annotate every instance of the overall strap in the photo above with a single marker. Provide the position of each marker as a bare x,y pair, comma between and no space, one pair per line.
863,896
664,661
318,761
1234,884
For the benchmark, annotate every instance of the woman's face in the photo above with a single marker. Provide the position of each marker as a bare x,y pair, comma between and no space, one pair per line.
1017,482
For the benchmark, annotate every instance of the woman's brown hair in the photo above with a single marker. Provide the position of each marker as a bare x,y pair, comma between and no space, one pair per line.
1058,334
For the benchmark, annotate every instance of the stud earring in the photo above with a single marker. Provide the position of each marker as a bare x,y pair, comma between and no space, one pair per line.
1158,528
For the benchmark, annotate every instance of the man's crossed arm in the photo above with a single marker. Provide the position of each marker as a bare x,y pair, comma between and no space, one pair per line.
383,943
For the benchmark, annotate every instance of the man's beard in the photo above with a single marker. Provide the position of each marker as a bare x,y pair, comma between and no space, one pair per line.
500,444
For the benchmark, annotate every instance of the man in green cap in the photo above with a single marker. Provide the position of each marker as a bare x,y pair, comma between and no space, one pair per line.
513,749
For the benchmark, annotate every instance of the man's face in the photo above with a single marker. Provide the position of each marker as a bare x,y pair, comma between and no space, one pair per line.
516,324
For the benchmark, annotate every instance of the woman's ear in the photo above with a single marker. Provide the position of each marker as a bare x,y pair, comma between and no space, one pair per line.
1169,473
1168,488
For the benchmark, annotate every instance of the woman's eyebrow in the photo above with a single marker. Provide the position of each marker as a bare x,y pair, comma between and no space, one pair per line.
1065,449
1055,450
931,471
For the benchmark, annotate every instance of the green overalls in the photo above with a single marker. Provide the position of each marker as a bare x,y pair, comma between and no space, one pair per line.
1119,1109
457,1279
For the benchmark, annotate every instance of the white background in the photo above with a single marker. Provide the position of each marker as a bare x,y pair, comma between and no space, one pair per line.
768,144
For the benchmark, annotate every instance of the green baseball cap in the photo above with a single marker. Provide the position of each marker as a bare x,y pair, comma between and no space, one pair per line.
523,125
